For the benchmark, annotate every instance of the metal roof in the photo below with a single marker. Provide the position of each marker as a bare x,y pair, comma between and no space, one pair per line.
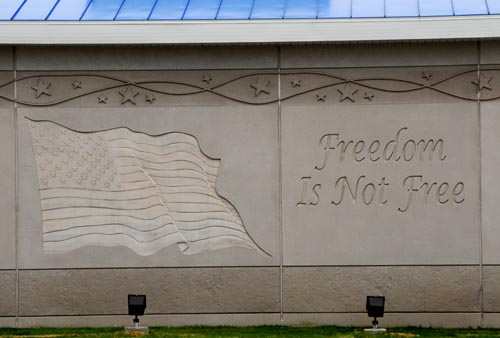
76,22
125,10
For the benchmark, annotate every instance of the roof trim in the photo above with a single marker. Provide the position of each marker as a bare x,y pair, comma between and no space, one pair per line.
248,31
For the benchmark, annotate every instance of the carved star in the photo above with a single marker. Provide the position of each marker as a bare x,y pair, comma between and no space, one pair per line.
260,86
483,82
369,95
207,78
77,84
427,75
102,99
129,95
295,83
150,98
321,97
347,93
41,88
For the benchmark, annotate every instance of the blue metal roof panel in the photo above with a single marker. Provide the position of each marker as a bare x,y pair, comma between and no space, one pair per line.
435,7
470,7
135,10
235,10
334,9
368,8
401,8
493,6
301,9
202,9
69,10
268,9
74,10
35,10
102,10
8,8
169,10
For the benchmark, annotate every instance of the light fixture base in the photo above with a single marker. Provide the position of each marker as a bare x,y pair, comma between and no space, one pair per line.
137,330
375,331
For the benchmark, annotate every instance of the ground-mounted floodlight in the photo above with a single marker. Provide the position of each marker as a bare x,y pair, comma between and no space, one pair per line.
375,308
136,308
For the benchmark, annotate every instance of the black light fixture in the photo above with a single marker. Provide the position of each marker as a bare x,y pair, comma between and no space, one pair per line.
375,308
136,307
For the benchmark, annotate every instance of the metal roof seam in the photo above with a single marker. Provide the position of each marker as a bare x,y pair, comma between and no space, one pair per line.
251,10
487,6
50,12
218,9
86,9
17,11
119,9
185,9
285,5
152,9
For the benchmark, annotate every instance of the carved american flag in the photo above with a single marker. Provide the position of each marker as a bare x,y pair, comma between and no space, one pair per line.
120,187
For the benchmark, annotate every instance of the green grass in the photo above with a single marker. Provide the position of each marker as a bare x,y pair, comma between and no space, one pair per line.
249,332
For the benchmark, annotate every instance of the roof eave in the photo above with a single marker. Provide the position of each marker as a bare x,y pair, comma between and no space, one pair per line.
249,31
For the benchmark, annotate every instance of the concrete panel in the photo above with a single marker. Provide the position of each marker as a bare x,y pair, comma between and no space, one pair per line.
380,184
491,290
7,294
489,52
445,320
169,291
153,320
6,89
8,170
490,181
491,320
6,60
8,190
136,57
379,55
243,138
8,322
407,289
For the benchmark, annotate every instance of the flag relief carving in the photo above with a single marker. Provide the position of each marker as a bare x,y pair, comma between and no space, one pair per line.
120,187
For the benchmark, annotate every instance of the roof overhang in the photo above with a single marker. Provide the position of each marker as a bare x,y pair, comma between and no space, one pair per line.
249,31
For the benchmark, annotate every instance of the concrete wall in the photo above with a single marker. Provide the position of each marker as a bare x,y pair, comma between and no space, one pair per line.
328,173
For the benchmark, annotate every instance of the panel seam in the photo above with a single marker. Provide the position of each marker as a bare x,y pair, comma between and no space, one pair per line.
280,184
238,313
16,195
228,267
480,192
